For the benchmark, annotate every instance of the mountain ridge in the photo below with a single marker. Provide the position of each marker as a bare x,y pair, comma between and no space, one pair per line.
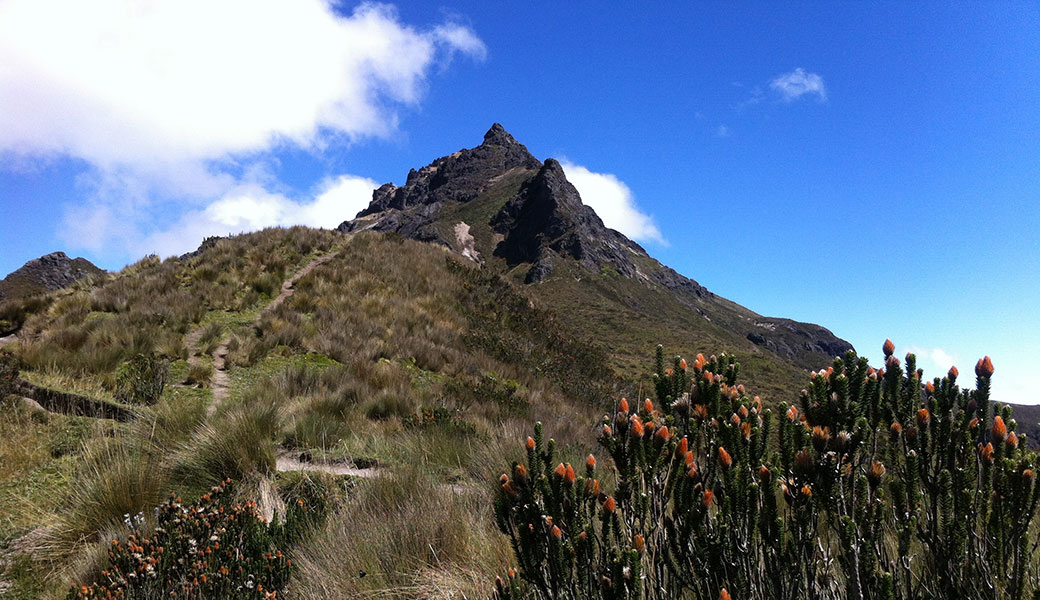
524,216
49,272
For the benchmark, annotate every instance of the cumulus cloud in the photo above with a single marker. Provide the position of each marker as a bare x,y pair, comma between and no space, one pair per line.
121,82
613,202
168,102
798,83
249,207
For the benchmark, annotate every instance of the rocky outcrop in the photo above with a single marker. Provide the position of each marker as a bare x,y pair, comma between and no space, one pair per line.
48,273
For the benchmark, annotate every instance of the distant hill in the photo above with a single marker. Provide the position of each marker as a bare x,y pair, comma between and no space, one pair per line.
501,207
48,273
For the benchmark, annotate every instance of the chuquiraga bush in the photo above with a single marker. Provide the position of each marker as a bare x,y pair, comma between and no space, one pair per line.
213,548
874,485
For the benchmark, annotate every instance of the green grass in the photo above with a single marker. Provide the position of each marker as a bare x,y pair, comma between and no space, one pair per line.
244,379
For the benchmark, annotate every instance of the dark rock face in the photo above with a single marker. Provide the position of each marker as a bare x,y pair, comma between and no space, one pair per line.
547,215
49,272
458,177
792,339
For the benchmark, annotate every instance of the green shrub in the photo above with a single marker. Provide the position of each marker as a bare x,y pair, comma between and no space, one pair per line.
141,379
877,485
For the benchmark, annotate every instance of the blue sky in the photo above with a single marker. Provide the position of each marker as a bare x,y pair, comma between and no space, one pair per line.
871,167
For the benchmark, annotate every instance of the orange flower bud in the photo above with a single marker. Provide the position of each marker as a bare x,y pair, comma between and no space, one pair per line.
512,573
742,411
700,411
974,423
734,420
1028,474
929,388
503,479
999,429
953,373
590,462
682,364
709,376
724,595
764,473
1012,440
556,532
896,429
792,413
888,347
807,491
530,443
725,460
874,474
609,504
648,406
569,477
820,437
607,431
986,452
623,406
638,543
663,434
637,427
682,448
984,368
923,417
707,497
560,470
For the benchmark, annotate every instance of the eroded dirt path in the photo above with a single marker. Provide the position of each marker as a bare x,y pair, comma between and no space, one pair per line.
296,461
220,383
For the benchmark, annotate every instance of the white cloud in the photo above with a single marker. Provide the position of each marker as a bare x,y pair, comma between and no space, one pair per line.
613,202
249,207
792,86
121,82
170,103
935,361
722,131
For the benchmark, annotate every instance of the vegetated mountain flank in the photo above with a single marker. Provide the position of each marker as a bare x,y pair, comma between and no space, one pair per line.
50,272
499,205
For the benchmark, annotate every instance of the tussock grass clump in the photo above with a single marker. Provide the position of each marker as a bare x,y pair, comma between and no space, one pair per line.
400,530
240,442
116,481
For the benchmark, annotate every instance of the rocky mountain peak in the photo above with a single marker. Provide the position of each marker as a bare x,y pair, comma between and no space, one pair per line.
498,136
497,200
49,272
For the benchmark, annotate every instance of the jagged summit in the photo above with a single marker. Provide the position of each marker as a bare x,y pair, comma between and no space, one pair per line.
49,272
498,136
498,205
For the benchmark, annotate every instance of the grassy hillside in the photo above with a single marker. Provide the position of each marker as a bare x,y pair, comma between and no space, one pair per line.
390,354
